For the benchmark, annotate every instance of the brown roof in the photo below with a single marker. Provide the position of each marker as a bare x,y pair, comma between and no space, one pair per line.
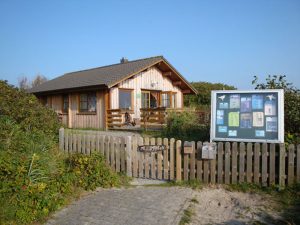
102,76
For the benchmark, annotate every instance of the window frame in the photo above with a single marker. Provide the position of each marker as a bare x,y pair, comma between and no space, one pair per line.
63,104
131,98
169,93
148,93
86,111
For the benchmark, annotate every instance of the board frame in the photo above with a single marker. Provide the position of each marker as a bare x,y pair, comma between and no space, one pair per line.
280,103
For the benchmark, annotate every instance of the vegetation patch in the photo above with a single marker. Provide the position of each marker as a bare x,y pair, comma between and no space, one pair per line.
35,178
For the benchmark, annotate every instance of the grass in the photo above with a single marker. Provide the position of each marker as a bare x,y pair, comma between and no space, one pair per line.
187,215
194,184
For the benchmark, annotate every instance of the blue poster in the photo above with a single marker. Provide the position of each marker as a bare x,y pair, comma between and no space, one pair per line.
245,104
223,105
220,117
257,102
222,129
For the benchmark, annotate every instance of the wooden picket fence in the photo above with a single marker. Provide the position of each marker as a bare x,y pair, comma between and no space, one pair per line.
263,164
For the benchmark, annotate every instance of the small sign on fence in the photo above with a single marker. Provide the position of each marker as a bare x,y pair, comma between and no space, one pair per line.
188,147
151,148
209,150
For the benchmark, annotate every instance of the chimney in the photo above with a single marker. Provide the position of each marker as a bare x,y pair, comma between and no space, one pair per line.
124,60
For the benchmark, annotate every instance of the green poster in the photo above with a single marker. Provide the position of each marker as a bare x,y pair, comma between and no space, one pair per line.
233,119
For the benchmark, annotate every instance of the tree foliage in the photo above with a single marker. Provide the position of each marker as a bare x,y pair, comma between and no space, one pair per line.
25,110
204,93
291,101
25,83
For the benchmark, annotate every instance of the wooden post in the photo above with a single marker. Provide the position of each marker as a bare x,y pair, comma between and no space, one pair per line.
61,139
128,157
282,155
234,163
192,163
227,163
249,163
199,161
220,163
291,155
178,160
172,153
264,165
147,159
166,159
242,163
153,161
159,160
256,168
141,158
272,165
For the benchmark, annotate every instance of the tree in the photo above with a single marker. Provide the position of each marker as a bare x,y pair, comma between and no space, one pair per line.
291,101
25,84
204,93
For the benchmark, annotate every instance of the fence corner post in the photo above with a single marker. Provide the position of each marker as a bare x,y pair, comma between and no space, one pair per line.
282,155
128,156
61,138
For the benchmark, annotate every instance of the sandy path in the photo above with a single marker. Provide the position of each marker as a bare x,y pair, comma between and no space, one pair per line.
219,206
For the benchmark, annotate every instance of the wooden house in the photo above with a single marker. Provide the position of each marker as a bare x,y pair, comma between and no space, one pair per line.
129,93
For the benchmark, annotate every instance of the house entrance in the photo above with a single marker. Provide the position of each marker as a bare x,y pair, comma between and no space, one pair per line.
150,99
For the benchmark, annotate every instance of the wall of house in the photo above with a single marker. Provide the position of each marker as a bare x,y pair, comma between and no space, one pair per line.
74,119
151,79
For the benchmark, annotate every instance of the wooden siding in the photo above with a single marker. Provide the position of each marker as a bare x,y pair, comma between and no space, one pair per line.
145,80
79,120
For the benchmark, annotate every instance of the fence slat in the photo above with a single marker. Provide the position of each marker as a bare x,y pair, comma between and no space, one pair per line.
220,162
107,142
118,156
79,141
153,161
166,159
205,171
93,148
123,154
172,154
88,144
128,157
147,159
291,164
264,165
199,161
134,157
112,152
242,162
282,155
227,163
61,139
249,162
178,160
256,165
102,144
212,171
272,165
234,163
185,166
141,158
159,161
298,164
192,162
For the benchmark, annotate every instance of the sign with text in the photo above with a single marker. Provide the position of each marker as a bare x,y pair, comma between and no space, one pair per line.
209,150
250,116
151,148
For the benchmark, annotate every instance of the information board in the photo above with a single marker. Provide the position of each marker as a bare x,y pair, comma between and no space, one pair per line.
250,116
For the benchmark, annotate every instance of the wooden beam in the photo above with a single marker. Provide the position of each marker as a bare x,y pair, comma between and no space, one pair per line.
186,91
176,83
168,73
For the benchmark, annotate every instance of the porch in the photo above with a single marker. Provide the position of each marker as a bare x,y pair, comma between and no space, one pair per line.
150,118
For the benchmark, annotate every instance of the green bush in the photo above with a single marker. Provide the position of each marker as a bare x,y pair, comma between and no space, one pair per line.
92,171
185,126
25,110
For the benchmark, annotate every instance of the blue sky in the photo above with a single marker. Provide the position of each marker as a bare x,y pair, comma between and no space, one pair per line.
214,41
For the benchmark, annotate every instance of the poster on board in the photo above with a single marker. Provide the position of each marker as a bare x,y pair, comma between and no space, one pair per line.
250,116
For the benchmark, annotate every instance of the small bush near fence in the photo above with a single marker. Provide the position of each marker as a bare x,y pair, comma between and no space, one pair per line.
185,126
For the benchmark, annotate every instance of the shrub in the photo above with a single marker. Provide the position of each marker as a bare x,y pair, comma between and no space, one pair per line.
91,171
25,110
185,126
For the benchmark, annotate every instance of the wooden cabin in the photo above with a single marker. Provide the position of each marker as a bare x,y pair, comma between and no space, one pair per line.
130,94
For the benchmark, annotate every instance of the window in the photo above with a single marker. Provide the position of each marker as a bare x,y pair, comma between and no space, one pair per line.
125,99
87,102
174,102
145,99
65,108
165,99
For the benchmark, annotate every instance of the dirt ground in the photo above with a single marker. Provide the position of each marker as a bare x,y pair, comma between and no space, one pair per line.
219,206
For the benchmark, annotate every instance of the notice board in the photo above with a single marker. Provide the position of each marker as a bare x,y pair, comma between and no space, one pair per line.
249,116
